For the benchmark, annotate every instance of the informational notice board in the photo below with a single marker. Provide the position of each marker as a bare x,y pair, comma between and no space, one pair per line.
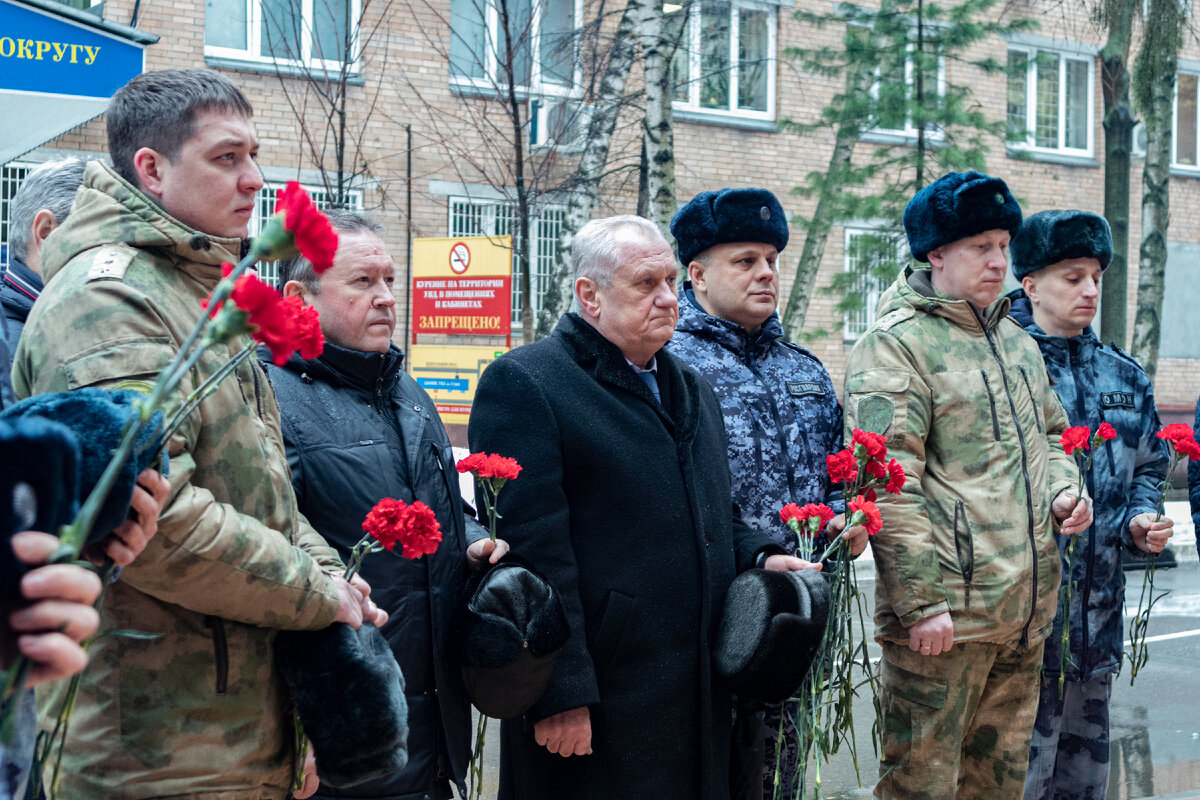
462,286
450,374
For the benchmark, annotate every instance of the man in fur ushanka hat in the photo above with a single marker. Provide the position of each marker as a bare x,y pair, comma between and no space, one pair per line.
1059,257
967,563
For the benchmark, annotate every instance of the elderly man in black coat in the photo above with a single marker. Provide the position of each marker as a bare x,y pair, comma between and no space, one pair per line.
624,503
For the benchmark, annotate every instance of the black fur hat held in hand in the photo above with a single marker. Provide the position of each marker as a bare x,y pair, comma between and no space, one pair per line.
509,631
728,215
97,417
770,631
956,206
1049,237
349,693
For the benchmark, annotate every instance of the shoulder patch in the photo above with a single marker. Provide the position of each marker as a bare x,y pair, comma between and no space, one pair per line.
894,318
109,263
1117,400
875,413
806,388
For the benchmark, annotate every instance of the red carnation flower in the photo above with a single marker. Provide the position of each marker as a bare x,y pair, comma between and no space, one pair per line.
309,338
420,533
385,521
818,510
876,469
1182,438
865,512
1189,448
874,444
315,238
895,477
270,321
470,463
791,512
1076,438
842,466
498,466
1106,431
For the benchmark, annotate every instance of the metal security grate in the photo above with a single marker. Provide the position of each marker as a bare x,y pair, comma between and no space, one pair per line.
265,207
11,176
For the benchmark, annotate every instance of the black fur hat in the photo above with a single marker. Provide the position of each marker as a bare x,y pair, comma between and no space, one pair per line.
1049,237
97,417
728,215
509,631
770,631
958,205
349,693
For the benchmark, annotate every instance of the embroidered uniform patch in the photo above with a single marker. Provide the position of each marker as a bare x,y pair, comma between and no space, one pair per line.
142,387
875,413
806,388
1116,400
110,263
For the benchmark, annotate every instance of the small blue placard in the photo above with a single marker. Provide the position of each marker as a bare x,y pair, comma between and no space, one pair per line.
45,54
445,384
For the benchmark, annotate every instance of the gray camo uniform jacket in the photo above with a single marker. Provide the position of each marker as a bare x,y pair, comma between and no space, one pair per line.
782,414
1102,384
965,402
199,711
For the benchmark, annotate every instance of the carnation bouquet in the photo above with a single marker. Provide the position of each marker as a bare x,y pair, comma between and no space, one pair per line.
824,720
1182,441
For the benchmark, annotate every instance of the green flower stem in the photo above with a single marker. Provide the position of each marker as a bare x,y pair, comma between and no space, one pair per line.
204,390
1139,651
363,548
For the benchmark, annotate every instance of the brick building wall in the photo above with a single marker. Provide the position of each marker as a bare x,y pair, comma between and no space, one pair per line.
461,140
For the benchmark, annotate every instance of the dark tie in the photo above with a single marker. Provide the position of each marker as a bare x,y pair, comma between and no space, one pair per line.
648,379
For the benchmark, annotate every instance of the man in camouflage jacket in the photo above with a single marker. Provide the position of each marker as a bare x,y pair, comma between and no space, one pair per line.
198,711
967,566
1058,256
782,414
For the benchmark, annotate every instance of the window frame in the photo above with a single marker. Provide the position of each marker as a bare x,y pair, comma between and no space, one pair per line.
695,77
542,250
867,312
1064,55
253,54
1175,163
491,83
264,204
909,131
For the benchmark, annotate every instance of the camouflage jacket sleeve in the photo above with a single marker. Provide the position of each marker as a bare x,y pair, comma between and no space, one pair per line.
886,393
206,557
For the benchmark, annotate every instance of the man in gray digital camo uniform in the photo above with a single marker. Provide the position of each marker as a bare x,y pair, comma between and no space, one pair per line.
968,569
199,710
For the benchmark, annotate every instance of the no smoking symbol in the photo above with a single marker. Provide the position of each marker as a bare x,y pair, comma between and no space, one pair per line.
460,258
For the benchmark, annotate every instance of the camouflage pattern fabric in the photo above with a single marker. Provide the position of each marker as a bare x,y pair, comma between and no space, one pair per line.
957,725
199,711
1069,753
781,412
967,408
1102,384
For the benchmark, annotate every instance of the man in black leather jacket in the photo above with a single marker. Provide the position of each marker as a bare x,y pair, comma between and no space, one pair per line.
358,428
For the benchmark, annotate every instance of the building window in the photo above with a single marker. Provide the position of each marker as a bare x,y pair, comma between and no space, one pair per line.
545,43
895,95
1050,100
725,64
264,207
1187,85
11,176
872,260
499,218
318,34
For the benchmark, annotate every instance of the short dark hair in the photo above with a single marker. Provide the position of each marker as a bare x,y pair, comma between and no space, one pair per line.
158,110
300,269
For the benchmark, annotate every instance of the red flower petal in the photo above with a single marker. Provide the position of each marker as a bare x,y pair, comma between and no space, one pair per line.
315,238
1075,438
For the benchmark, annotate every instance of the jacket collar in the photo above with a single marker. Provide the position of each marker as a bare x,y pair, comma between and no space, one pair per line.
19,287
1054,348
915,288
108,205
367,372
605,361
695,320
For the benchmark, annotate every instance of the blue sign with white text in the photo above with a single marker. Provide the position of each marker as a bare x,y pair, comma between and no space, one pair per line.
446,384
45,54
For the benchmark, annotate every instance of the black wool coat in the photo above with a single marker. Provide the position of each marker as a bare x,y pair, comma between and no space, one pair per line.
359,429
625,505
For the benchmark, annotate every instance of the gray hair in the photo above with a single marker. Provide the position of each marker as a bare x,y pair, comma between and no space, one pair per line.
158,110
52,187
344,220
596,251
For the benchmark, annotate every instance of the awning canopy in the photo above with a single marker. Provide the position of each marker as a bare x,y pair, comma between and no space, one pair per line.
58,68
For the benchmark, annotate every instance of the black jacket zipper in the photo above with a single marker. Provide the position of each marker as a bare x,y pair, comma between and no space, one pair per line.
987,385
220,650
